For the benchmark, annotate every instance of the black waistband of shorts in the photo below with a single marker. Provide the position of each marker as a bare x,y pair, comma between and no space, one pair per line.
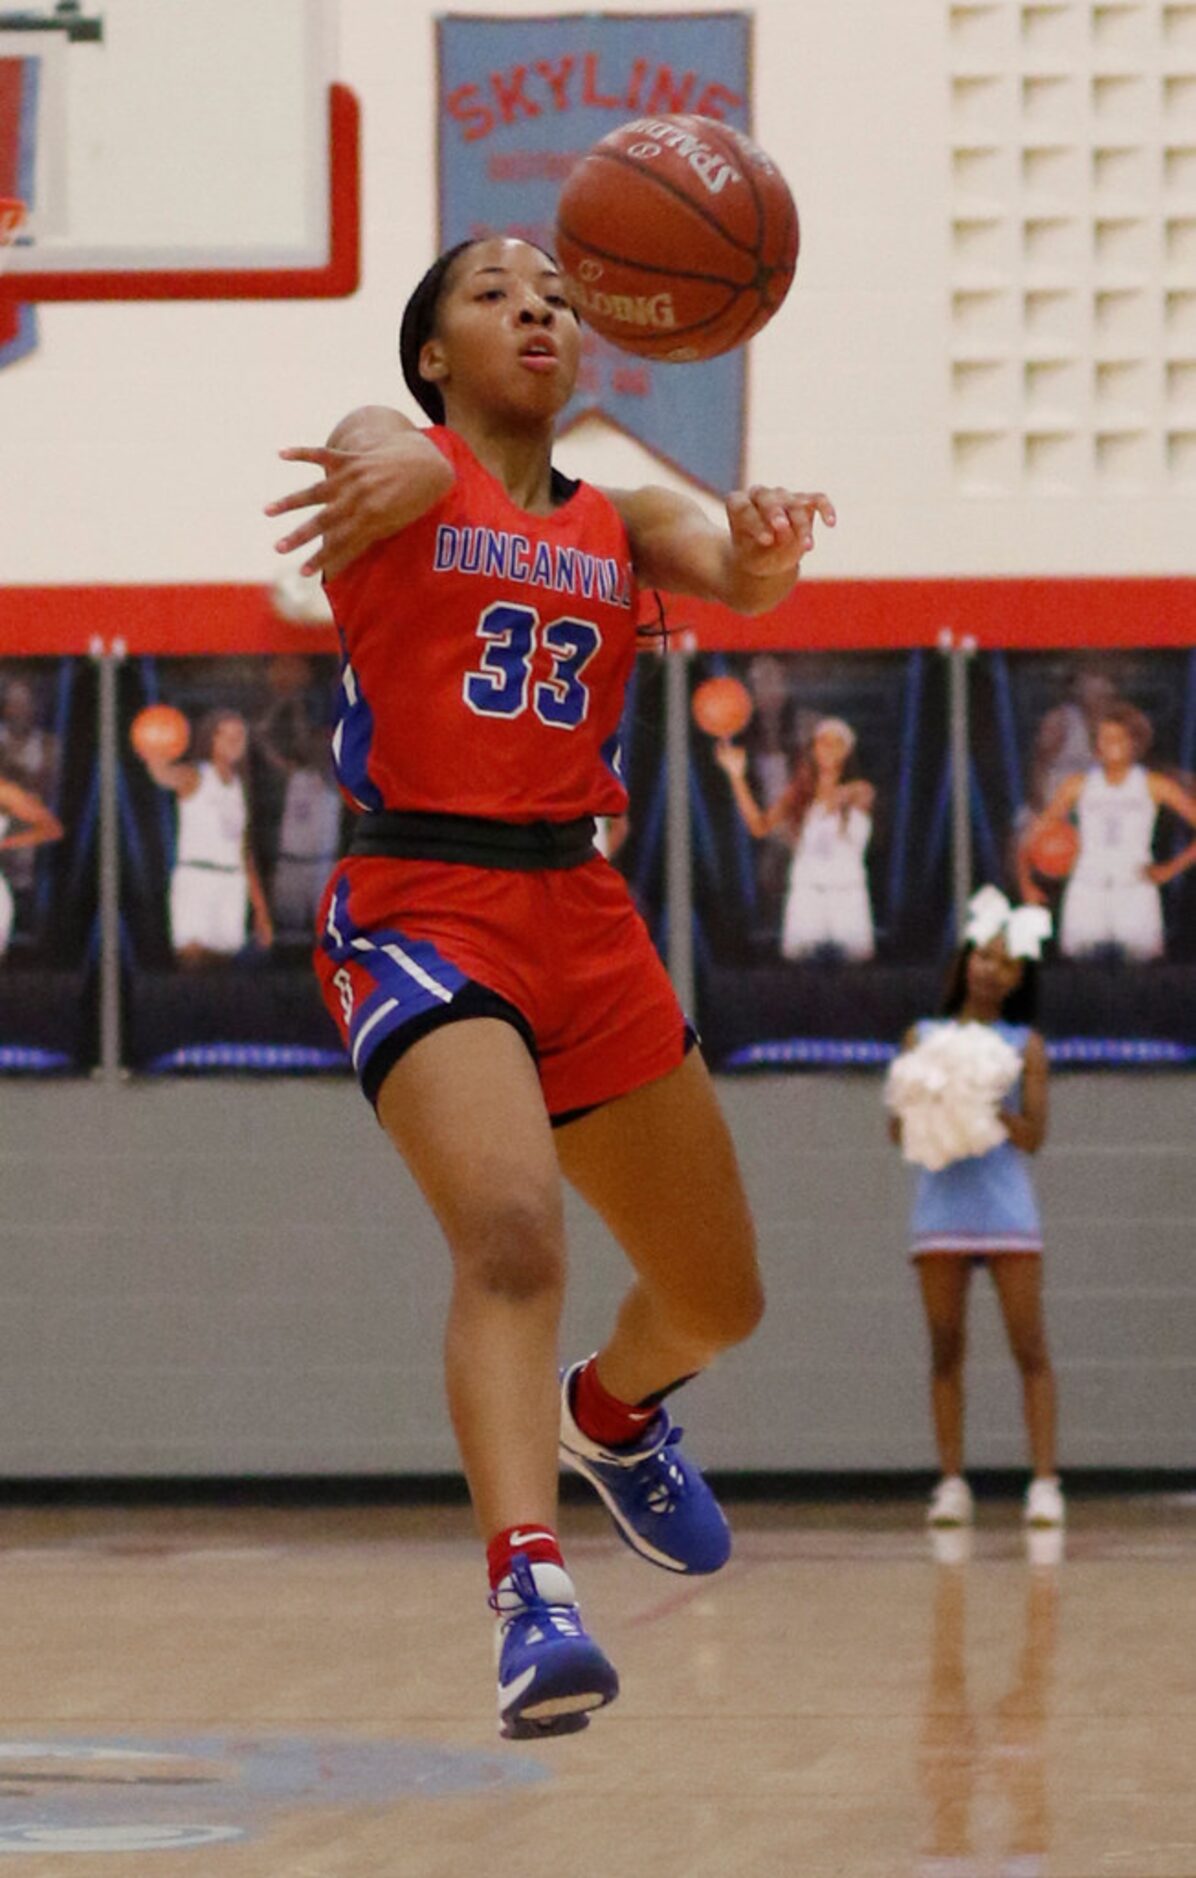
473,840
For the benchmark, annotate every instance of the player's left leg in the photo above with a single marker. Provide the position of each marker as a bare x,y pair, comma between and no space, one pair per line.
1136,920
1018,1280
659,1167
851,920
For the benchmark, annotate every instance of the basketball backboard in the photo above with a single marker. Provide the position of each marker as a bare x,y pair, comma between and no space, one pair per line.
177,149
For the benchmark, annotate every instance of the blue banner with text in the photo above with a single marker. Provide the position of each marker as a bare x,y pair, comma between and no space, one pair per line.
520,101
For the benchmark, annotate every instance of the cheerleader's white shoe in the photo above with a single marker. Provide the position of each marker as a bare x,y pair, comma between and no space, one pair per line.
950,1503
1044,1502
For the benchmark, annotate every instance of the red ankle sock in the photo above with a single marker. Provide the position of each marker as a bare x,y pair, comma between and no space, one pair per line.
601,1415
538,1541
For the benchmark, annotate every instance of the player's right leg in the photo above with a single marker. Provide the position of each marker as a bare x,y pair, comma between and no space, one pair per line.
464,1108
944,1278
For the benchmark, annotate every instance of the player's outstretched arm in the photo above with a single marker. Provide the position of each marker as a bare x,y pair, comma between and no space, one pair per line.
379,475
38,823
1058,809
182,779
750,565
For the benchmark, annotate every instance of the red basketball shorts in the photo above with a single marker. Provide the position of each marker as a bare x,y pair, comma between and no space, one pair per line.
562,954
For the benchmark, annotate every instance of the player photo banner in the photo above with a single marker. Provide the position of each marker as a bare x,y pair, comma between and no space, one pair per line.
230,825
520,100
820,809
1083,800
824,808
49,927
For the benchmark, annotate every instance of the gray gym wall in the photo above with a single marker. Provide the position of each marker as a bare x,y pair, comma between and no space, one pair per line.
220,1278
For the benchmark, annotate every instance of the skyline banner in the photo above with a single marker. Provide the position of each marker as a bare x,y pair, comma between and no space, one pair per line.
519,102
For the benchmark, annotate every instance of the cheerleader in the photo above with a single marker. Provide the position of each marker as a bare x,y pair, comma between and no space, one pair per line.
980,1207
827,820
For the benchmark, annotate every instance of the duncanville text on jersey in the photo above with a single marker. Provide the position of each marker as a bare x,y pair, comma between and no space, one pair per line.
495,553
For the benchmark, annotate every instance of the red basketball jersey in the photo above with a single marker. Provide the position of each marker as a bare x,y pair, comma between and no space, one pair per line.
485,655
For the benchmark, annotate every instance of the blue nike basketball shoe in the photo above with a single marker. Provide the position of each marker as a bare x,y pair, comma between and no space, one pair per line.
661,1506
551,1673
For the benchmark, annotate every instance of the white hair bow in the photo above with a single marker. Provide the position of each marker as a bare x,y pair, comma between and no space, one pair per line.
1026,928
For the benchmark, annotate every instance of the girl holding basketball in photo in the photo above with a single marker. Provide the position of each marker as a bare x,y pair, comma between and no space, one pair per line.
826,817
503,1005
980,1208
214,885
25,823
1112,896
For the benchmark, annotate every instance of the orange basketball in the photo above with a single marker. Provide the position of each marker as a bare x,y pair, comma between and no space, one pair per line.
678,238
1054,850
722,707
160,733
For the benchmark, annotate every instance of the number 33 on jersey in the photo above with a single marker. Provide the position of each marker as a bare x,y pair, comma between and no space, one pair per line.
485,654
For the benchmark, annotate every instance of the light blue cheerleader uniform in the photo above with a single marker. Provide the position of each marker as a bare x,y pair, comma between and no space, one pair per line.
985,1203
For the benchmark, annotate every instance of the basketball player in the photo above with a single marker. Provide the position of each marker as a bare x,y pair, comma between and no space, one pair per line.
502,1003
1065,740
25,823
309,827
1112,897
214,884
827,821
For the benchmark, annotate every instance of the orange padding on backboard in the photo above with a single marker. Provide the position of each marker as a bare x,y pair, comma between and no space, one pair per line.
819,616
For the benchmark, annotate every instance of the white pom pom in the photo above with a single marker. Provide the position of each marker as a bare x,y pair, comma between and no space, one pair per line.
300,598
948,1092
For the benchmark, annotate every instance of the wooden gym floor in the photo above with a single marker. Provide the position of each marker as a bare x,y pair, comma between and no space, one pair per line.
307,1693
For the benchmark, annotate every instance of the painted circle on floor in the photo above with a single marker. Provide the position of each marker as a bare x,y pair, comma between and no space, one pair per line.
27,1839
146,1795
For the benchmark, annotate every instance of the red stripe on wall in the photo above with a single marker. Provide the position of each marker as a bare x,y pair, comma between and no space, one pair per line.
192,619
824,614
821,615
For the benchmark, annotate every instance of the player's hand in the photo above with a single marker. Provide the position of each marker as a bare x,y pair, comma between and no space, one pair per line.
730,757
857,794
362,497
773,529
263,929
1159,873
350,501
